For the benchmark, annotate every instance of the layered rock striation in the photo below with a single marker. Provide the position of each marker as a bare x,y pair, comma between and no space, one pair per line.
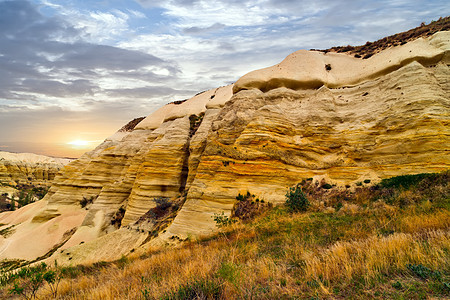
329,116
28,167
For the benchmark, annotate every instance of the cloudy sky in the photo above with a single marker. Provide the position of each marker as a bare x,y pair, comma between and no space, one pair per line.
79,70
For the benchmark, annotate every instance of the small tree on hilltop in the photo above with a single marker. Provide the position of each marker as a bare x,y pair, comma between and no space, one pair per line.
296,200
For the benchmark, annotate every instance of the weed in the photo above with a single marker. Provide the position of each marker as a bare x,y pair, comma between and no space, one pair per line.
28,280
404,181
117,218
327,186
86,201
222,220
247,207
146,294
397,285
229,272
423,272
162,203
296,200
122,262
240,197
197,289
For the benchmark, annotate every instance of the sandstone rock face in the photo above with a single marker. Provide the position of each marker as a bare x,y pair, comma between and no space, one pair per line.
26,167
326,116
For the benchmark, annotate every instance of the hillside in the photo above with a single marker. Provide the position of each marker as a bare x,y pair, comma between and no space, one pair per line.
337,120
25,167
387,241
26,177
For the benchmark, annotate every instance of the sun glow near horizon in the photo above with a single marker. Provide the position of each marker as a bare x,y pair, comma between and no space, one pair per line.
79,143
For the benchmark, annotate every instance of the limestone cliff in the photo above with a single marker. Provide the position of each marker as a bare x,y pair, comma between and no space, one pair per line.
322,115
26,167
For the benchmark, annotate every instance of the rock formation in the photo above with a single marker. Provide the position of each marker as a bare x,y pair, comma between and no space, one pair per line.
329,116
26,167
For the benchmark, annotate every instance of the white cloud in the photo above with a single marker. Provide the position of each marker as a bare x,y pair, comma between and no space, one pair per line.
99,27
96,26
136,13
207,13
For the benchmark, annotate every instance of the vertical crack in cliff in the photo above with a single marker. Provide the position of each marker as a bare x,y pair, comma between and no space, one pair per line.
185,169
195,122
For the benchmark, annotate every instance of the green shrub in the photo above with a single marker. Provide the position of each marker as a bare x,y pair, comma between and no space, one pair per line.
338,206
423,272
248,206
146,293
405,181
397,285
222,220
327,186
229,272
25,198
197,289
162,203
296,200
86,201
240,197
28,280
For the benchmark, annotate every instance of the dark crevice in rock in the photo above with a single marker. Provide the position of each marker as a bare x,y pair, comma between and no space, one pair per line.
185,169
195,122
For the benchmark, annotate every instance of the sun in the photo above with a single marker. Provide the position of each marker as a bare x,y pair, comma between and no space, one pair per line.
78,143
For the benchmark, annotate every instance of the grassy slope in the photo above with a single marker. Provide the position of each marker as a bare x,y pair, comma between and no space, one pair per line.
390,241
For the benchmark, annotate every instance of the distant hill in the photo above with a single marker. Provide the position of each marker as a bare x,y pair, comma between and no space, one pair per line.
26,177
25,167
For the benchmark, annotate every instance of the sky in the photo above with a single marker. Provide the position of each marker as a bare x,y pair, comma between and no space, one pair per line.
73,72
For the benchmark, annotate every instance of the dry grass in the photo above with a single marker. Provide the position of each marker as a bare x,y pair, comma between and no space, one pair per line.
370,257
371,48
361,254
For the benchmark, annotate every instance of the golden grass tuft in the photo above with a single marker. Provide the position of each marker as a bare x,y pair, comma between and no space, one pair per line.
375,255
